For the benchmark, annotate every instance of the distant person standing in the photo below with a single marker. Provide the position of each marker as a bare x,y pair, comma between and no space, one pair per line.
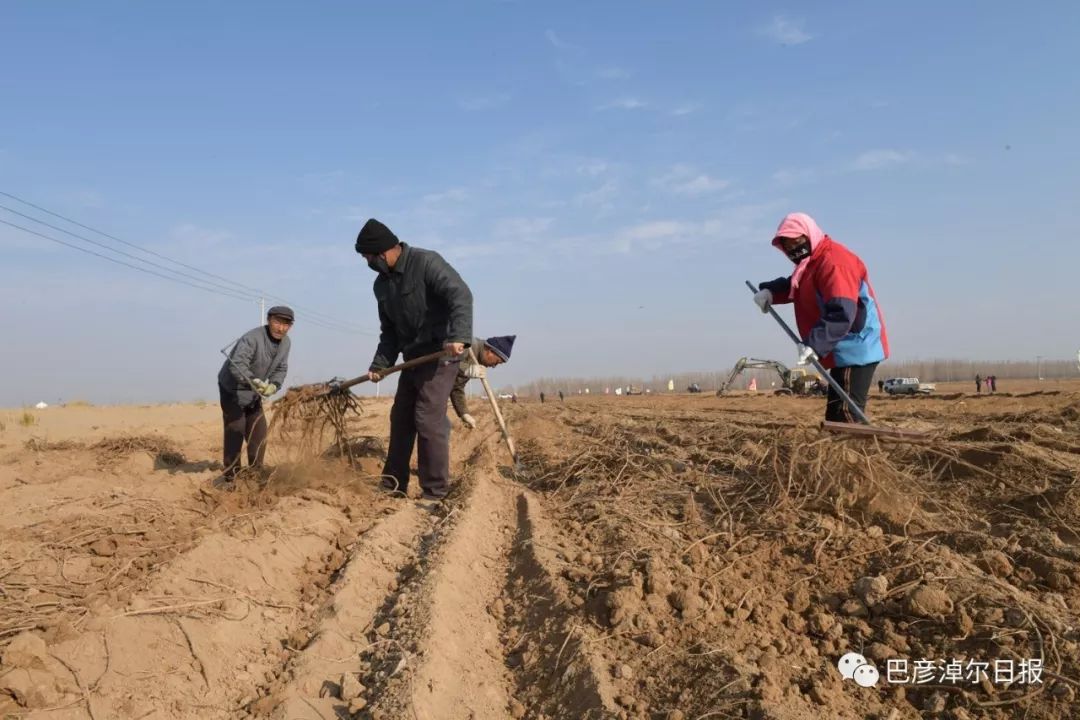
561,397
881,386
541,398
978,383
993,383
262,352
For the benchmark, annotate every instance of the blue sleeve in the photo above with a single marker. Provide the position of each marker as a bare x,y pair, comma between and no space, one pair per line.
835,323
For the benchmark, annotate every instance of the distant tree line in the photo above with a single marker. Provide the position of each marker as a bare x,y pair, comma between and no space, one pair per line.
933,370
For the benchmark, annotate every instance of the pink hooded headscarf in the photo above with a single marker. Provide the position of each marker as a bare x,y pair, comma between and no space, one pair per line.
794,225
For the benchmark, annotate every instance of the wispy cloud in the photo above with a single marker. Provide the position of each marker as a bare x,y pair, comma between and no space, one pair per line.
454,194
626,103
527,238
786,31
323,183
193,243
954,159
521,227
656,230
685,109
483,102
793,176
600,196
557,42
878,159
87,199
576,66
355,212
194,236
612,72
685,180
592,167
734,226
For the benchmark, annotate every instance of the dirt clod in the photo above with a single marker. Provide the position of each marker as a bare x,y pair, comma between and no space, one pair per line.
26,651
872,590
929,601
934,703
996,563
350,687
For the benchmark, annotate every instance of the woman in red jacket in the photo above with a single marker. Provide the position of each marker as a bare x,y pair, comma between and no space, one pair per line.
836,311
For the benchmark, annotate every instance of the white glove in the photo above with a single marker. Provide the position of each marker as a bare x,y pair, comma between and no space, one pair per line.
475,371
469,420
764,300
806,354
259,385
268,389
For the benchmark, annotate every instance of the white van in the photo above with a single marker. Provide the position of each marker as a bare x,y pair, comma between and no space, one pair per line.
907,386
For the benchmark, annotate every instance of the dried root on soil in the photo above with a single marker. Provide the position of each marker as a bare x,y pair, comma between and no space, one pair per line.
307,413
705,540
47,579
111,451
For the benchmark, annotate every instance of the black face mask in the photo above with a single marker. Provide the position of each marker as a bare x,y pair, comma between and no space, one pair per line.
379,265
799,253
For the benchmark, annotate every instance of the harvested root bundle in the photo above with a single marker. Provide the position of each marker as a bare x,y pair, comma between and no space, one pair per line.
306,413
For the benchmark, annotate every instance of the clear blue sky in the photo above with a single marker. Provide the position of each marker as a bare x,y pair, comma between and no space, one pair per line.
604,175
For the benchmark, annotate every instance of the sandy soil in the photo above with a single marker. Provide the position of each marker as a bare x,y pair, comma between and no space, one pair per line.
670,557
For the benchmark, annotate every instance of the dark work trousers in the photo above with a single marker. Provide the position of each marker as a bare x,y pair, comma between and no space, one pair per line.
856,383
419,412
242,424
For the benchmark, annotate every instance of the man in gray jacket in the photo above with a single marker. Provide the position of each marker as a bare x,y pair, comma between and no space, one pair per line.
254,369
424,306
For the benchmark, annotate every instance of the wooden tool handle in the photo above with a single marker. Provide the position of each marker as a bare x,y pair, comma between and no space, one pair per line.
397,368
498,413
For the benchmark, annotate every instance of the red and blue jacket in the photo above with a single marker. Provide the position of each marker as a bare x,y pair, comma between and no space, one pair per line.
836,311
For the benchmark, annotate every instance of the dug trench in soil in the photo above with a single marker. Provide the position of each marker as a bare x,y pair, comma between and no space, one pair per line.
433,651
204,627
744,564
322,676
556,672
199,637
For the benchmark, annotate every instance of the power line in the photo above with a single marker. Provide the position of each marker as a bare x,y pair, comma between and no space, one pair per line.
125,254
225,293
121,262
231,283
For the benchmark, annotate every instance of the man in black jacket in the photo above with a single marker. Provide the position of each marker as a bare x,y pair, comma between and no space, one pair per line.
424,306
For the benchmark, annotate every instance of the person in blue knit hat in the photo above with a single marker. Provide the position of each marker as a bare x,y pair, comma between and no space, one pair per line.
489,353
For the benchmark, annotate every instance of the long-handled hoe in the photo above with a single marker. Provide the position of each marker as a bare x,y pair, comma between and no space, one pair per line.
863,427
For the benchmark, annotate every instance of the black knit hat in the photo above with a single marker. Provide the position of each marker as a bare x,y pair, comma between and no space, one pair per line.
375,238
501,345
